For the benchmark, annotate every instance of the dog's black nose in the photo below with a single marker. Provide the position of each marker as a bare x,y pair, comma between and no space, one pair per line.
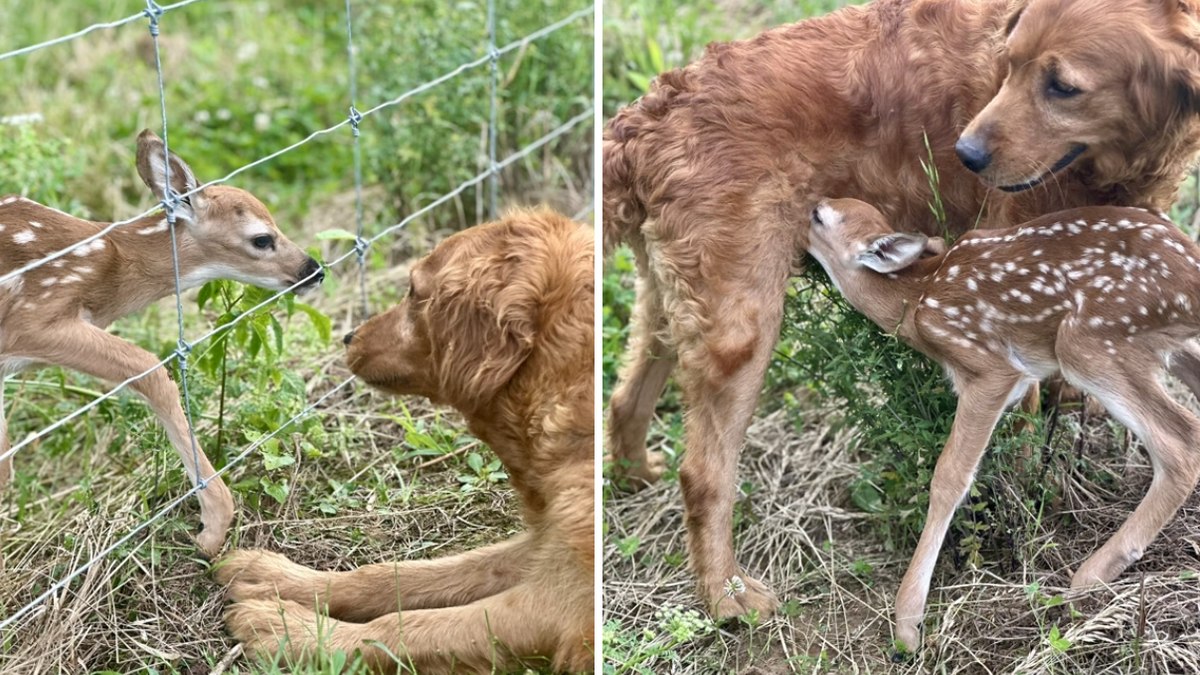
346,340
312,266
973,153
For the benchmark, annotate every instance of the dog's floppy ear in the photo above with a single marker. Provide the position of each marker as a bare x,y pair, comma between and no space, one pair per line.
893,252
487,313
1180,62
1015,9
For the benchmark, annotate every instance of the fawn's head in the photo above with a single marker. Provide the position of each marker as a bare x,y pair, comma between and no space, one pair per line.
850,237
229,228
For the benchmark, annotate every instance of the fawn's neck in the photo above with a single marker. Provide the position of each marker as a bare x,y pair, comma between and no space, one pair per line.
140,268
889,300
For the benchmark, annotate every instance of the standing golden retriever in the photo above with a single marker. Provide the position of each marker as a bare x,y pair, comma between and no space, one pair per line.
711,176
498,324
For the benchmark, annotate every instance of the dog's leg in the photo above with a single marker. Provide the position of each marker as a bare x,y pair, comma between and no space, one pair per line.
383,588
649,362
87,349
724,319
485,636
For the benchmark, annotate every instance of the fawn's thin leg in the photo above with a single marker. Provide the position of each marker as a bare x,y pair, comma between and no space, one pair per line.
1130,389
981,401
371,591
1185,364
88,349
648,363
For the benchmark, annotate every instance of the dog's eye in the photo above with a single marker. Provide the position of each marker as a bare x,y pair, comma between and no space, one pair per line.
1056,88
263,242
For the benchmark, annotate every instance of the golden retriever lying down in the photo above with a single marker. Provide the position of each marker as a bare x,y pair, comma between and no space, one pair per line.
498,324
711,177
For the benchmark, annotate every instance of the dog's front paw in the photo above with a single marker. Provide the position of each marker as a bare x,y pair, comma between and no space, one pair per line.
265,575
269,627
742,596
631,476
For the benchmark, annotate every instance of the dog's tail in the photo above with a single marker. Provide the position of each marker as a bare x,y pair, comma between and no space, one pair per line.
627,154
624,211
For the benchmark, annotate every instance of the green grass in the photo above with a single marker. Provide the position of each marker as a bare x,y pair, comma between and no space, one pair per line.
367,478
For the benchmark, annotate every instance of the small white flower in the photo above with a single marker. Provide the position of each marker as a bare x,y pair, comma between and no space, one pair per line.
734,586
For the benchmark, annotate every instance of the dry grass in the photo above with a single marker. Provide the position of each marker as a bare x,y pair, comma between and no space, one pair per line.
837,582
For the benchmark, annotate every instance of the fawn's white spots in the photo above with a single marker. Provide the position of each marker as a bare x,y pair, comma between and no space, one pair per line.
89,248
24,237
34,223
155,229
49,281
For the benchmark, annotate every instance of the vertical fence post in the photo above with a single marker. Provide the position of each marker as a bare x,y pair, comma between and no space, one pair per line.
170,202
360,243
493,94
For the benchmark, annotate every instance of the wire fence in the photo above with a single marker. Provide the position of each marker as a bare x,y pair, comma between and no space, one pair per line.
153,15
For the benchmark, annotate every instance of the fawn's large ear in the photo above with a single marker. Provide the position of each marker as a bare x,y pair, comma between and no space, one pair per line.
152,165
893,252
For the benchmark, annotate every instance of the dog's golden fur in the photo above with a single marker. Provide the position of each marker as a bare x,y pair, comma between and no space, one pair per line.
498,324
710,178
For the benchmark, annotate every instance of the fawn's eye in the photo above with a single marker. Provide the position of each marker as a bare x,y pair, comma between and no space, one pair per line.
263,242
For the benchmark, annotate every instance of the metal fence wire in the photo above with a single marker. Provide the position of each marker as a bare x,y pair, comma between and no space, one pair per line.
153,15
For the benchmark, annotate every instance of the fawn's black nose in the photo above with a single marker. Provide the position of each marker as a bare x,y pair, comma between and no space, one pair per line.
312,266
973,153
346,340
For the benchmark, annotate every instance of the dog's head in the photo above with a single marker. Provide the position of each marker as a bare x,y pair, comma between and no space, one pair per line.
482,305
1087,80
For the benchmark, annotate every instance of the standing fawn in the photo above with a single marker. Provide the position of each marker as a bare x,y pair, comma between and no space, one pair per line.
55,314
1105,295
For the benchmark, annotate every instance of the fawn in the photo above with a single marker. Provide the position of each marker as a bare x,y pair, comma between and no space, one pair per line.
55,314
1105,295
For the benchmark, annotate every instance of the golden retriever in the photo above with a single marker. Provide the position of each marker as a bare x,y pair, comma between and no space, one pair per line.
710,178
498,324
